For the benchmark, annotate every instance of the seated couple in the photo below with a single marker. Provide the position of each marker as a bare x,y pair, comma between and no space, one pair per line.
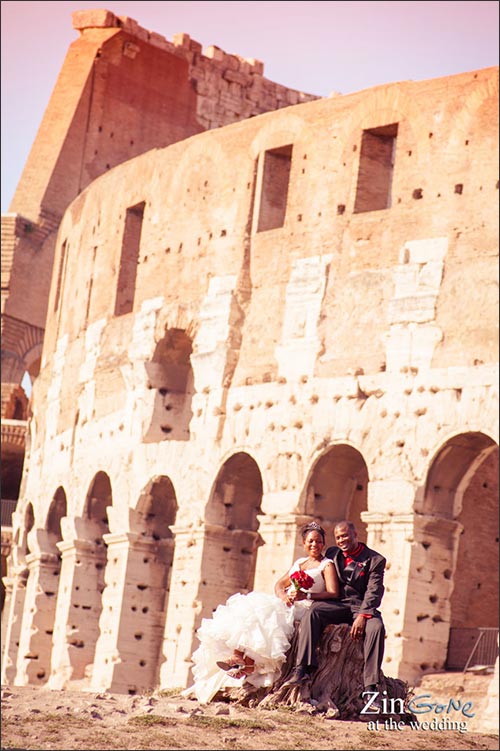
247,639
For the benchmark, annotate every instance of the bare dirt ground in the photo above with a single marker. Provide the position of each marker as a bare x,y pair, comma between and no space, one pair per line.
37,718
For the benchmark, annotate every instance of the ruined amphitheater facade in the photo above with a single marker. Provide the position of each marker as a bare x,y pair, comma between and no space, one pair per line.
286,318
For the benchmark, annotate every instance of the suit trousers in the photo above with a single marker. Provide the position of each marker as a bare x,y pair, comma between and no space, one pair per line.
323,613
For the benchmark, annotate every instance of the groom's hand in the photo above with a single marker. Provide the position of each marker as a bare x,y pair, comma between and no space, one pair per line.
358,627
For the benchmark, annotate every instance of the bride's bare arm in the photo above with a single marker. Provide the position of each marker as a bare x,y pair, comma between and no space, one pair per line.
280,590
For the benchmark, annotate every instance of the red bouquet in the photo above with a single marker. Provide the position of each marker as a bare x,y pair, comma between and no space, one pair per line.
301,580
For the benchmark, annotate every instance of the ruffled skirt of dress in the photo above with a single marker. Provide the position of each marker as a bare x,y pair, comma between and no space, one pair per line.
258,624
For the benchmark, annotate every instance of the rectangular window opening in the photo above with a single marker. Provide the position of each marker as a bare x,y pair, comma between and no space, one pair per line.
274,191
376,167
129,259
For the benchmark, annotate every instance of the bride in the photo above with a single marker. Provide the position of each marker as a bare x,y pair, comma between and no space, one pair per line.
247,638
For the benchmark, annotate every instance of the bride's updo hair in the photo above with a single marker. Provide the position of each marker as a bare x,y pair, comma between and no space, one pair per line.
313,527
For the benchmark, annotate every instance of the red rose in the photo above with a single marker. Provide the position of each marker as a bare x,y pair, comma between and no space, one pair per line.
301,580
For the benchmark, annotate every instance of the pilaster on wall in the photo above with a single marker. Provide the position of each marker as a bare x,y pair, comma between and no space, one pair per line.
427,608
132,618
391,535
15,593
77,612
183,616
35,643
282,546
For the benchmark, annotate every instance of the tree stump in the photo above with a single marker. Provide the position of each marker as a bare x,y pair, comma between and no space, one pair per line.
335,688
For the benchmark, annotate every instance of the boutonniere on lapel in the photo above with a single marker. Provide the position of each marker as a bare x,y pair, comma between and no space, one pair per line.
362,567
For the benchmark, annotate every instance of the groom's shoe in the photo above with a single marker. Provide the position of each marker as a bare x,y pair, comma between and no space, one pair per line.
371,699
297,677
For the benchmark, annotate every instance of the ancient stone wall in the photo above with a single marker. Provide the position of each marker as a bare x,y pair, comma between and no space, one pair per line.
122,90
287,317
258,338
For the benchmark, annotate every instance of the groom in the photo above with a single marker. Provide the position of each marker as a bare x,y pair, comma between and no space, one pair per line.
361,575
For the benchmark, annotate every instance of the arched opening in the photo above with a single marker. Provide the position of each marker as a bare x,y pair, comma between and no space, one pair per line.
29,520
35,643
232,537
57,509
460,526
336,489
133,624
98,499
83,580
171,375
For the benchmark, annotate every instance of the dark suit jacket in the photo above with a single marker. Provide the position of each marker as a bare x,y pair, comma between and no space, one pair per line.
364,588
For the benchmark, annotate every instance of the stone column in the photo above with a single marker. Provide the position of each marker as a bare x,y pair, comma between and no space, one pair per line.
429,585
15,592
282,546
35,643
76,626
210,564
392,537
207,569
184,606
133,613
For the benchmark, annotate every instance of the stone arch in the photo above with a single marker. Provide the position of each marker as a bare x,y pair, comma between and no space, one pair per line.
157,509
29,521
454,592
232,537
14,415
82,582
44,562
57,510
170,373
462,485
98,498
337,488
136,594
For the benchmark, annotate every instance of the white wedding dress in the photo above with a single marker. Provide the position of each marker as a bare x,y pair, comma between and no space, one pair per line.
258,624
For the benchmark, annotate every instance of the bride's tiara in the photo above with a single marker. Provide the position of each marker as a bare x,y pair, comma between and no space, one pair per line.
314,526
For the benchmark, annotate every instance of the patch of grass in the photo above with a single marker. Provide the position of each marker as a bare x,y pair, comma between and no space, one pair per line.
168,692
221,723
149,720
57,721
